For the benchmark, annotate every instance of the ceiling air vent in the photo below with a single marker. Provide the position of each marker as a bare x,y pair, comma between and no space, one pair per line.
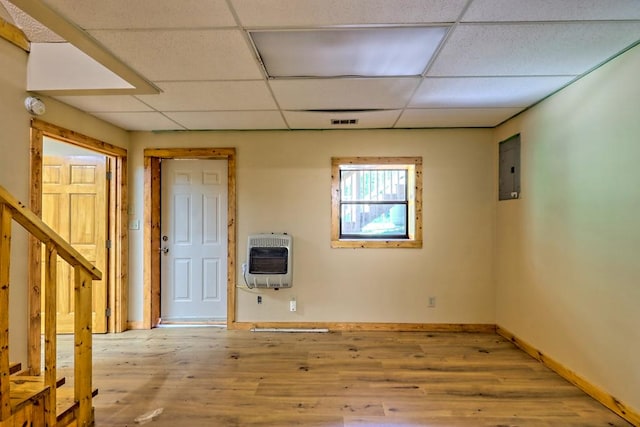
344,121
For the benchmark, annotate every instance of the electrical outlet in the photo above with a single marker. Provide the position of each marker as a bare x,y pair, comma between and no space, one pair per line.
292,305
259,299
432,302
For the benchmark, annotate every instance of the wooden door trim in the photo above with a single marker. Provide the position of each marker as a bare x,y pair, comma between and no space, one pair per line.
151,275
118,260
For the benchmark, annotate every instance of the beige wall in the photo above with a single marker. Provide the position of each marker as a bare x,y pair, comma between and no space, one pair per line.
68,117
284,185
14,176
567,259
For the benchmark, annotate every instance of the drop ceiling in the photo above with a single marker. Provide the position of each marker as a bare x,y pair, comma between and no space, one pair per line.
480,61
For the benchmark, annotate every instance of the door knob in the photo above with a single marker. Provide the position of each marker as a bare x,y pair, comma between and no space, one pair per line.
164,250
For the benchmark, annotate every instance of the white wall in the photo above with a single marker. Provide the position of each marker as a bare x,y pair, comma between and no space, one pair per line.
283,184
567,259
14,176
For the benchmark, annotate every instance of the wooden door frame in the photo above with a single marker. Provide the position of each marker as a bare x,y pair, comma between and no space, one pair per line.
118,233
151,275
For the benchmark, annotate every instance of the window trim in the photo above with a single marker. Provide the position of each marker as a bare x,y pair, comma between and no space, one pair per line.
414,200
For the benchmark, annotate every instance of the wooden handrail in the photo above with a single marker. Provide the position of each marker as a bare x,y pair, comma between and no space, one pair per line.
34,225
84,272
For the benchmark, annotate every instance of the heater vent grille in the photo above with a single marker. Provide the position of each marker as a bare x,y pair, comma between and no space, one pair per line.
268,241
269,261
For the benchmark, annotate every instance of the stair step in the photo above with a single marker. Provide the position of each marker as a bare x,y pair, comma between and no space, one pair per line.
66,405
24,389
14,368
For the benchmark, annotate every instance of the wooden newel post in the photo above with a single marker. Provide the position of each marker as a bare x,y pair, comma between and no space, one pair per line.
5,260
83,344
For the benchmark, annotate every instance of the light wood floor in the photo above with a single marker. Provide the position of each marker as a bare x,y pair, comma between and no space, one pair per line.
213,377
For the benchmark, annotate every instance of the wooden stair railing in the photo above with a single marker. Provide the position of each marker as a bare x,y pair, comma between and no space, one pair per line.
84,272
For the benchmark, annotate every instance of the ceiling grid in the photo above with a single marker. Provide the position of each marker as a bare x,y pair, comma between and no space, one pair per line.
348,62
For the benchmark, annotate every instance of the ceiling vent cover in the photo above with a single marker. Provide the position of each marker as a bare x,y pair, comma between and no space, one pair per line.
344,121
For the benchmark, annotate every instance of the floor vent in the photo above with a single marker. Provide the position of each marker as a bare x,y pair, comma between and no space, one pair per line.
291,330
344,121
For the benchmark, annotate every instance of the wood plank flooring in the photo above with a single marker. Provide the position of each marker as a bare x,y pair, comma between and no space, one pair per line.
214,377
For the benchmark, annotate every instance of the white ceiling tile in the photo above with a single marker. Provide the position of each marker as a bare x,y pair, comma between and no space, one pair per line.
398,51
455,117
229,120
143,121
531,49
184,54
315,13
323,94
127,14
108,103
208,96
322,120
551,10
485,91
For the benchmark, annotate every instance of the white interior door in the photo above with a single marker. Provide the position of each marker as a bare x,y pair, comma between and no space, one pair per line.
194,240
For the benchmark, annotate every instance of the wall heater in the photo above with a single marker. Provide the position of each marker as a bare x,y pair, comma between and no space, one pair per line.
269,261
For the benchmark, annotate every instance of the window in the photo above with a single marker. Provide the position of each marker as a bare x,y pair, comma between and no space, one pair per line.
376,202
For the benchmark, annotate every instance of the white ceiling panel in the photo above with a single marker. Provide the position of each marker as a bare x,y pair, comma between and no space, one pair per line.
127,14
107,103
229,120
551,10
323,120
467,117
484,91
397,51
184,54
208,96
142,121
326,94
317,13
531,49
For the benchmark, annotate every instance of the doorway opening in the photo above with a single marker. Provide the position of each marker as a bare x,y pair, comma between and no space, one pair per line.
153,242
71,172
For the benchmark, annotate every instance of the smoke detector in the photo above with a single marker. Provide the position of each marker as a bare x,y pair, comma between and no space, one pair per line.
34,106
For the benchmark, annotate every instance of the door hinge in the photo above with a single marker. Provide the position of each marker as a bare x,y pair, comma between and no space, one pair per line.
109,175
108,244
107,312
